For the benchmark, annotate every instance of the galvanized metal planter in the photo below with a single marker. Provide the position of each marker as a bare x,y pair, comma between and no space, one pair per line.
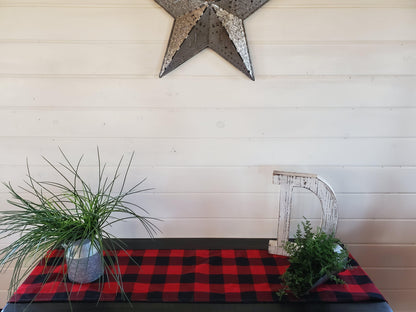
84,262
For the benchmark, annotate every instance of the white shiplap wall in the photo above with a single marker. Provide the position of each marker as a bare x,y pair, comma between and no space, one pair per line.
335,95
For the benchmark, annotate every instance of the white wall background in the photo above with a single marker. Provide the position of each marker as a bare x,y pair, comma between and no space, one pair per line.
335,95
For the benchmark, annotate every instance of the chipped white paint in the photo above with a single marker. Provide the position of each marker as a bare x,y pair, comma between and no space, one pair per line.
288,181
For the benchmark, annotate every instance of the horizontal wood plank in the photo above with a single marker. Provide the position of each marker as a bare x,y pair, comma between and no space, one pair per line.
359,206
167,179
97,23
205,227
393,278
99,92
264,205
145,60
211,123
391,232
229,179
384,255
220,206
349,231
215,151
369,231
377,231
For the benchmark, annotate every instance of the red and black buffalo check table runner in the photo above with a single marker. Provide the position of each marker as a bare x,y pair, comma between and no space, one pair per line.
177,275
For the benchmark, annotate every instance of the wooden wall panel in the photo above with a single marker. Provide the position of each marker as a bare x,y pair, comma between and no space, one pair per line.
214,151
394,278
254,205
274,92
210,123
360,206
253,179
200,205
136,60
334,95
272,24
377,231
384,255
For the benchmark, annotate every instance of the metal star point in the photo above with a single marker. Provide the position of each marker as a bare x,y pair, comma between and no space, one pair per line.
215,24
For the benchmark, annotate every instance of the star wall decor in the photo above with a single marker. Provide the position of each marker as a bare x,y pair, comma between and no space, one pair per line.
215,24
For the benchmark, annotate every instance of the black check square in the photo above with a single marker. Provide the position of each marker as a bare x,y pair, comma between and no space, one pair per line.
268,261
240,261
245,279
215,297
186,296
216,279
158,279
129,277
249,296
162,261
189,260
363,279
188,278
216,260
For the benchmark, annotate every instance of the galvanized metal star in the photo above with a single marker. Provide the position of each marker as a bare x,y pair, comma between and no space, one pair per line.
215,24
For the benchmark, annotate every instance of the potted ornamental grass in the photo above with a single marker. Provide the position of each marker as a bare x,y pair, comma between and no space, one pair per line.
314,259
70,214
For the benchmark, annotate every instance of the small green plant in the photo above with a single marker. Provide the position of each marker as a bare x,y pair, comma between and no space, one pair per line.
60,213
311,256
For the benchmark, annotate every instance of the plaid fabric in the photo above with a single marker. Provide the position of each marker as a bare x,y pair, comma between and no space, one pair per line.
246,276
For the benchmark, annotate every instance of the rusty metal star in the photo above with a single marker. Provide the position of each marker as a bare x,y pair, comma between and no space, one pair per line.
215,24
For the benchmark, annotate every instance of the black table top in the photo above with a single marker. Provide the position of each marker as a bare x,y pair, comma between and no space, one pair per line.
201,243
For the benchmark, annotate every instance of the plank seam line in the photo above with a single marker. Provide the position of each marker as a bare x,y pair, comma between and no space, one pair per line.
253,138
193,76
267,7
393,268
212,109
254,42
256,167
273,218
396,290
184,108
270,193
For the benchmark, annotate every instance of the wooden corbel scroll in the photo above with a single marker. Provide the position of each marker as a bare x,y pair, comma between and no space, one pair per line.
288,181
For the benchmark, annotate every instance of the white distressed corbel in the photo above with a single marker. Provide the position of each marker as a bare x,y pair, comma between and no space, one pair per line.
288,181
